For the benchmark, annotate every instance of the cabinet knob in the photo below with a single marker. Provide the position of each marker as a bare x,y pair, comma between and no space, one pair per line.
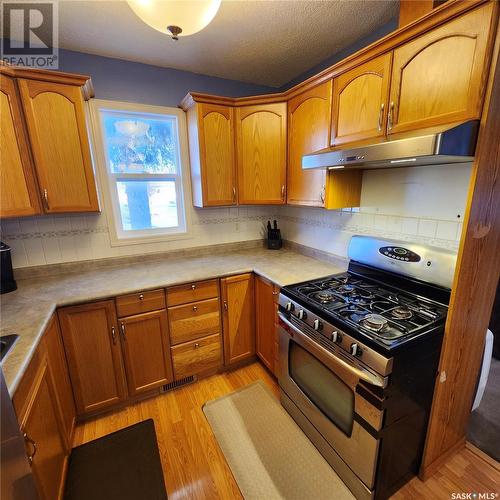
113,335
225,306
33,444
141,296
193,286
196,345
122,327
195,308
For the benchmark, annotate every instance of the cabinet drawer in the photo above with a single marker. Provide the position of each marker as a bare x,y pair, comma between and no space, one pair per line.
192,321
196,357
192,292
140,302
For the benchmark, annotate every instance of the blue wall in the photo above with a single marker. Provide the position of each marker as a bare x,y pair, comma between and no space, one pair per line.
121,80
363,42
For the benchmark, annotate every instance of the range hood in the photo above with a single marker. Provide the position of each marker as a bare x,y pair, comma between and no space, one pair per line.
452,145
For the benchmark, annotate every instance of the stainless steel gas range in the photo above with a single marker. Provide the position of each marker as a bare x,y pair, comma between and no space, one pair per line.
358,357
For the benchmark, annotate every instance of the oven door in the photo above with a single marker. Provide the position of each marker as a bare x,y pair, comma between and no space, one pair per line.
322,385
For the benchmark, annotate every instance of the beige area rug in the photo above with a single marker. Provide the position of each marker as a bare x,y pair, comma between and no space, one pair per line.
270,457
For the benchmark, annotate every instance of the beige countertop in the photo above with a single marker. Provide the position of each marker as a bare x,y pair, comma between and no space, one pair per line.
27,311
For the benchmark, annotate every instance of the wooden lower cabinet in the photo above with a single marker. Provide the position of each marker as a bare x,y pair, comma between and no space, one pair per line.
238,317
265,311
92,344
196,357
146,351
59,368
37,406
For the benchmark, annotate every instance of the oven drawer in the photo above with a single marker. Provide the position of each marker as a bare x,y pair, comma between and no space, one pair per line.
192,292
141,302
196,357
193,321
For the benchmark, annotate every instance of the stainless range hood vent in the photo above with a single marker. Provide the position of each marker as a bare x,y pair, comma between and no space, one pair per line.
452,145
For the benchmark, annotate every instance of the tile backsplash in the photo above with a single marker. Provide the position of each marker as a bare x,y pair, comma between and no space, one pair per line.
413,204
53,239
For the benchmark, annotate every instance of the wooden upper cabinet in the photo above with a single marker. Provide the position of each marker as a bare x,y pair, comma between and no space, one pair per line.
92,344
211,148
308,131
238,317
18,188
146,351
439,77
261,154
58,135
360,101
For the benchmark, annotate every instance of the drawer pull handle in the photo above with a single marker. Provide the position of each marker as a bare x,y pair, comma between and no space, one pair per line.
275,292
381,117
33,444
390,116
193,287
195,308
122,326
196,345
225,306
113,335
141,296
46,199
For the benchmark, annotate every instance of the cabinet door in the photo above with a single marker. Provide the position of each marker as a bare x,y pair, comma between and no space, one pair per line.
58,135
92,346
41,425
217,160
261,145
146,351
440,77
59,369
360,101
265,315
18,188
238,317
308,131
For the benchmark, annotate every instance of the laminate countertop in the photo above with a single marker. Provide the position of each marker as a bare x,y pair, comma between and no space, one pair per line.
27,311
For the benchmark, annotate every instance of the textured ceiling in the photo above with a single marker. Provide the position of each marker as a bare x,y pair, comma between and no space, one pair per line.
266,42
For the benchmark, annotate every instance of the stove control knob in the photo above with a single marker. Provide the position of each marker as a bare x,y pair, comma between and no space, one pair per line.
336,337
317,325
289,306
302,314
356,350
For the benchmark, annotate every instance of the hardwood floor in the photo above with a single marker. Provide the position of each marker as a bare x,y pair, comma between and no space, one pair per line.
195,468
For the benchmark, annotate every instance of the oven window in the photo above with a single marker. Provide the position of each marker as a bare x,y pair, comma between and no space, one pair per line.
327,391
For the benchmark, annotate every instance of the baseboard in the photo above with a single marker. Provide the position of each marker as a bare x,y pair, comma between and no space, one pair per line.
428,471
483,456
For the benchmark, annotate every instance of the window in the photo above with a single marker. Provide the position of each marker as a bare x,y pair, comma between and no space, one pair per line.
140,152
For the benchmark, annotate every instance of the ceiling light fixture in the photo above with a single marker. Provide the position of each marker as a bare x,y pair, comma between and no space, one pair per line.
176,18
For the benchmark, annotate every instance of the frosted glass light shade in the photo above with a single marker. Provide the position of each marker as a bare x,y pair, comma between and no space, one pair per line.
189,15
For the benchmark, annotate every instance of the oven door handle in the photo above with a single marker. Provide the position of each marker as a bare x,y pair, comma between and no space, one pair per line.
361,373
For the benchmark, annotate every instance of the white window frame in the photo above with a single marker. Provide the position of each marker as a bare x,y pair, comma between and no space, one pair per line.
119,236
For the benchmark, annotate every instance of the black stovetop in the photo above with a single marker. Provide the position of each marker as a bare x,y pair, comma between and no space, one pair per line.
386,314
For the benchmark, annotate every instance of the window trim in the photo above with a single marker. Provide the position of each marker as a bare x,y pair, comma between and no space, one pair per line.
108,192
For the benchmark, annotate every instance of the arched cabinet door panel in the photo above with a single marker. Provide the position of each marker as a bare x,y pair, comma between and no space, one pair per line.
261,154
360,101
58,135
19,190
439,77
217,150
308,131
